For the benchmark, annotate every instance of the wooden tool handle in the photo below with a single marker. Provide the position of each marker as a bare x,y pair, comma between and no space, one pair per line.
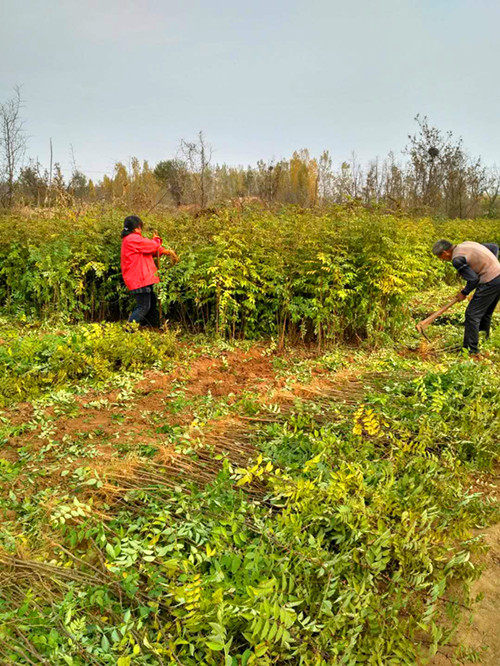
424,323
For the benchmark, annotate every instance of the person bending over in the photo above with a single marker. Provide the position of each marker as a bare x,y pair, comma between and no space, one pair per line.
479,266
139,270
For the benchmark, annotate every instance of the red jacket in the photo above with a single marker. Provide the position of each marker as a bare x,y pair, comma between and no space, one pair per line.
138,267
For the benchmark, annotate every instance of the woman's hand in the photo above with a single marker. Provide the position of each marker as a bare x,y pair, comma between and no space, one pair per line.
173,257
170,253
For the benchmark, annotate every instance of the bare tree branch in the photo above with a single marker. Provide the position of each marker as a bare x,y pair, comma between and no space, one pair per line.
12,139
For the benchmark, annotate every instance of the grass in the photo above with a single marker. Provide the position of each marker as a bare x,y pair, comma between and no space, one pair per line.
170,507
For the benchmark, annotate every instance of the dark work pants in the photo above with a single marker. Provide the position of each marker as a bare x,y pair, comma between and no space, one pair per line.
479,313
146,309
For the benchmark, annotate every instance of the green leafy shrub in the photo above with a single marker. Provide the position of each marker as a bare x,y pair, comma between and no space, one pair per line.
346,554
37,359
335,274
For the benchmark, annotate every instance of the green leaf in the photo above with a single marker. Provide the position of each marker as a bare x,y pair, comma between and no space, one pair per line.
235,563
245,657
104,643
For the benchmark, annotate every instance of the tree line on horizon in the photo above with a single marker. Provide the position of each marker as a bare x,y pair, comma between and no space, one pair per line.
434,176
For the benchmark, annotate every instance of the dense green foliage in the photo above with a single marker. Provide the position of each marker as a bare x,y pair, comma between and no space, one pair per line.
333,526
32,360
338,544
337,274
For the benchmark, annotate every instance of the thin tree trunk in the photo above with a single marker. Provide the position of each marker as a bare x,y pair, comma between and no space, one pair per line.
49,189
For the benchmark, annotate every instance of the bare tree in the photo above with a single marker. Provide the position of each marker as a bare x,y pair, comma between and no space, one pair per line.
77,185
49,189
198,155
394,183
444,178
492,193
357,176
371,183
12,139
325,177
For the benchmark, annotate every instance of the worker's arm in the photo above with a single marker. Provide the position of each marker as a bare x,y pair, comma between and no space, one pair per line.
163,250
173,257
147,245
492,247
466,272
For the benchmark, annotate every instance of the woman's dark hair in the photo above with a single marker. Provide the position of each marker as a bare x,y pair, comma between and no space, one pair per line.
130,223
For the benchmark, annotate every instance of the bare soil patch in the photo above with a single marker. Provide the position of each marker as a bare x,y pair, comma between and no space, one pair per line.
237,372
113,423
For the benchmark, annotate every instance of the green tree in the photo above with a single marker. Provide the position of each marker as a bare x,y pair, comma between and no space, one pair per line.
78,185
173,175
32,184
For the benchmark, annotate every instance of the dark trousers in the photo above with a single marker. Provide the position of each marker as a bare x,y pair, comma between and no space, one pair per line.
479,313
146,309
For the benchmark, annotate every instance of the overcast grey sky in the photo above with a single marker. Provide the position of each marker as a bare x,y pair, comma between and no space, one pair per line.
261,78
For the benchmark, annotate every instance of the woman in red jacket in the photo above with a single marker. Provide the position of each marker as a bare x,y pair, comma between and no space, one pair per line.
139,270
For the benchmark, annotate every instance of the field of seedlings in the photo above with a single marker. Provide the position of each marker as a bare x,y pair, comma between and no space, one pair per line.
285,473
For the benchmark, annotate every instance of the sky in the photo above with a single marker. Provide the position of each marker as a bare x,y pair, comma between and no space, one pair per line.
114,78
